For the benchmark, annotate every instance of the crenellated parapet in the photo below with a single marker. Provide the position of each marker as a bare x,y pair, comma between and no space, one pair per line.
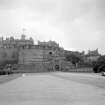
11,42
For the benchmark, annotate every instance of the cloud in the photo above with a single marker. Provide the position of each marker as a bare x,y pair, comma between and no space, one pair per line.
75,24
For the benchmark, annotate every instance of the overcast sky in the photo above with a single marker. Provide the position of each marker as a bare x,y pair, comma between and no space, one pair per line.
74,24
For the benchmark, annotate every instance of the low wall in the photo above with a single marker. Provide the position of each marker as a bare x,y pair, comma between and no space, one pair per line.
85,69
34,68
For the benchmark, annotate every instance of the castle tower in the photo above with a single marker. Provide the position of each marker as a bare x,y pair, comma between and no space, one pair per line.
23,37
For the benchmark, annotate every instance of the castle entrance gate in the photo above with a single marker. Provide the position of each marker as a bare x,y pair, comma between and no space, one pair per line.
57,68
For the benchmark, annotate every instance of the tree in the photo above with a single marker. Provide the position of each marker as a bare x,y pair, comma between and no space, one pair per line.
75,59
99,64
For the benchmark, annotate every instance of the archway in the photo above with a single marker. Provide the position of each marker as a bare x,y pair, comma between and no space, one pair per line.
57,68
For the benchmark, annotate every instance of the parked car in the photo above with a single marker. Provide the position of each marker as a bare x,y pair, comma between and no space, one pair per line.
103,73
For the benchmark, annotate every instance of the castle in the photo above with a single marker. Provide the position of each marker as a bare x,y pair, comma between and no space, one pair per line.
92,55
43,56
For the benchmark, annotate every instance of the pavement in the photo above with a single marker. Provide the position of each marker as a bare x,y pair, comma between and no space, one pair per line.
54,89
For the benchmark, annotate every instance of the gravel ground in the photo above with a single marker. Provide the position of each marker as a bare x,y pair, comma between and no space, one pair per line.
53,89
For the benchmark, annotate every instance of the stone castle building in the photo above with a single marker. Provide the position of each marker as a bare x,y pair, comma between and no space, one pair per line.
42,56
92,56
16,43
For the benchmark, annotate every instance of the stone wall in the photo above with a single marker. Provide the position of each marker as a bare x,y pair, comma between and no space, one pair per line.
33,55
8,54
40,58
30,56
32,68
36,59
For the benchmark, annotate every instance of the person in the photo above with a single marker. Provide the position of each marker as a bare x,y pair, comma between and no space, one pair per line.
9,67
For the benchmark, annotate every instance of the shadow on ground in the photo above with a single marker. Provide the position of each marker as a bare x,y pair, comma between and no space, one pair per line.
7,78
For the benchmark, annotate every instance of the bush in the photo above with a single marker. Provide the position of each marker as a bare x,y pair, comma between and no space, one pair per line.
99,65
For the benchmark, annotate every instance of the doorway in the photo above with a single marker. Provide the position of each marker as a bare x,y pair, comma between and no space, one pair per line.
57,68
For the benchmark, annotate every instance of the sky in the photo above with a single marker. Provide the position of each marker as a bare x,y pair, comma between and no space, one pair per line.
74,24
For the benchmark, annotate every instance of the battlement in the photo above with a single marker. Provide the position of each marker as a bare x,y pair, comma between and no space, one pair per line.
11,42
93,53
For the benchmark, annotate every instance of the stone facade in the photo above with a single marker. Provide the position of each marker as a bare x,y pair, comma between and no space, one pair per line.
49,43
92,55
16,43
8,55
47,56
44,55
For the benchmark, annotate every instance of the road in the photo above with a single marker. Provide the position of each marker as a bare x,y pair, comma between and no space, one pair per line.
54,89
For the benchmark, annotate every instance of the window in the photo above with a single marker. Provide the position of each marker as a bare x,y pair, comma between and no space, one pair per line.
50,53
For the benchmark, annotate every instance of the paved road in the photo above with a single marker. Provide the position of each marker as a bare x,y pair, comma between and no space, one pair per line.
54,89
84,78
